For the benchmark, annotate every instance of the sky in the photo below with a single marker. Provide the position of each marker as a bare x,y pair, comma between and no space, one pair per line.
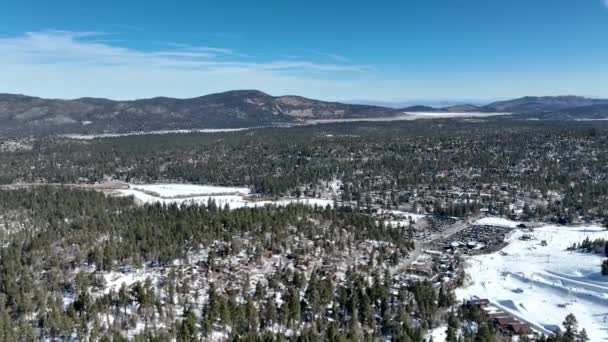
382,51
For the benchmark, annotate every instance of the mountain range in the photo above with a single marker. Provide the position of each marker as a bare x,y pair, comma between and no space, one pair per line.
20,114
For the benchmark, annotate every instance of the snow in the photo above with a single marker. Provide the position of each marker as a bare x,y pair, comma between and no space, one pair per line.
449,115
497,222
402,218
114,280
234,197
438,334
543,284
176,131
404,214
408,116
188,190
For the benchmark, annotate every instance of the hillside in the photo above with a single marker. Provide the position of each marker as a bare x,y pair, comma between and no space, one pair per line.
464,108
593,112
541,104
242,108
21,115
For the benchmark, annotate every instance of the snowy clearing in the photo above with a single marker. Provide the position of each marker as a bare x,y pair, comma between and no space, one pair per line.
404,215
409,116
176,131
537,280
497,222
234,197
437,334
188,190
401,218
450,115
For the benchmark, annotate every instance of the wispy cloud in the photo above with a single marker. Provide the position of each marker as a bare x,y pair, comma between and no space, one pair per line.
332,56
72,64
66,64
66,47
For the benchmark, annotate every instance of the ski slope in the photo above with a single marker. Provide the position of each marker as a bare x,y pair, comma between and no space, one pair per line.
544,283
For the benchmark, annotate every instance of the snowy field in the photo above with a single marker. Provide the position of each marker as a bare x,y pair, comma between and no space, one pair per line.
188,190
542,282
401,218
409,116
449,115
234,197
497,222
176,131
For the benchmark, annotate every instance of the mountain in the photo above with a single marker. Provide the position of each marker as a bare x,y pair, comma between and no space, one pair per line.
593,112
541,104
465,108
419,109
240,108
20,114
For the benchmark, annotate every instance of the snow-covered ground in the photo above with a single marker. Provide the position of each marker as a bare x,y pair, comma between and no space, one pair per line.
188,190
438,334
408,116
234,197
542,282
401,218
497,222
404,214
175,131
449,115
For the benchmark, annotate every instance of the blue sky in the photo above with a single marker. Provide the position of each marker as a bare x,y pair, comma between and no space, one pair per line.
402,51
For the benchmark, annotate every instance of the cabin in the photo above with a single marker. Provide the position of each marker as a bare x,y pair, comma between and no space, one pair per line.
478,303
519,328
504,321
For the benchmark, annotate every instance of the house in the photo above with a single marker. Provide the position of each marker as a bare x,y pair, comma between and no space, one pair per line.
519,328
504,321
478,303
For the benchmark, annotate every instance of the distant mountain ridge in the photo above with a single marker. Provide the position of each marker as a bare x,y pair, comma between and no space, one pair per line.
239,108
525,105
541,104
20,114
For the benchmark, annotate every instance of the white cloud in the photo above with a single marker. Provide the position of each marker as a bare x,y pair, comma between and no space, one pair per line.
64,64
74,64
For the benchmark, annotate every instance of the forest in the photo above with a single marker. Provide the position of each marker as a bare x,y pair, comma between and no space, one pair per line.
86,265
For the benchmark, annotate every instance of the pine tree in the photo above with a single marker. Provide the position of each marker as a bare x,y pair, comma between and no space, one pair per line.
582,336
570,327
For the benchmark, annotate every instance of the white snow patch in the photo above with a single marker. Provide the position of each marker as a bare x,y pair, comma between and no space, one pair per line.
176,131
497,222
234,197
188,190
408,116
449,115
438,334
